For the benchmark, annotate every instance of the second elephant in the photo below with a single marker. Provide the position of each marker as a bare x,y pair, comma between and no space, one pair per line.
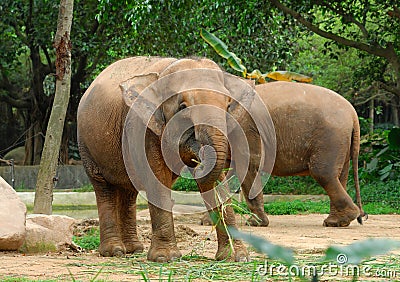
317,134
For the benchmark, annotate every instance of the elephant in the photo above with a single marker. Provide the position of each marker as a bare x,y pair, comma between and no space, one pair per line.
143,96
317,133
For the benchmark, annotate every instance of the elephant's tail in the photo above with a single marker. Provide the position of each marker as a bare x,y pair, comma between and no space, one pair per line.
354,151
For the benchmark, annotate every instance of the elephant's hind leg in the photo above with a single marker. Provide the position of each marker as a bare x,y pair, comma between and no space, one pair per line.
127,219
342,208
110,240
344,175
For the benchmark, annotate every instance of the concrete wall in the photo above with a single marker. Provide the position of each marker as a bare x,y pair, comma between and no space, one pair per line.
69,176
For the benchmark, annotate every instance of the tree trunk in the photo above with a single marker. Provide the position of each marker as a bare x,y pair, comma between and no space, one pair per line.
395,111
371,116
49,160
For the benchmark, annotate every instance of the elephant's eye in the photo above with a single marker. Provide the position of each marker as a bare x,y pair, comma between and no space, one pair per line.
182,106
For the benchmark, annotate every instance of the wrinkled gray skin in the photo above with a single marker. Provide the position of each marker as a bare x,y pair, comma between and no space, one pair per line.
101,116
317,133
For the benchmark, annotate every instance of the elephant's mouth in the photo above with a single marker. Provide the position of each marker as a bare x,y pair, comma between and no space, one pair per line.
189,148
200,156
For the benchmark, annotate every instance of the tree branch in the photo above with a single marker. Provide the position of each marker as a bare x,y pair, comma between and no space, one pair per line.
389,88
374,50
379,95
395,12
17,103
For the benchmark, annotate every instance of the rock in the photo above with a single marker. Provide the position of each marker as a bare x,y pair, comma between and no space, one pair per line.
17,154
12,218
48,232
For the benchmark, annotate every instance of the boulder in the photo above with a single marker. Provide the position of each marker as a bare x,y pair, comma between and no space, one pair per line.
17,154
48,232
12,218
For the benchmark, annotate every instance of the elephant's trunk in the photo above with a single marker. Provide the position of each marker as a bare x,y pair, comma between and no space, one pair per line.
212,154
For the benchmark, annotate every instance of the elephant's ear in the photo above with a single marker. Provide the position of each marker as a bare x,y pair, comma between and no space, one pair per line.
242,93
132,87
138,94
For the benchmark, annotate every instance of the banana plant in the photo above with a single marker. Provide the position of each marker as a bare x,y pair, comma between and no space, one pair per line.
236,63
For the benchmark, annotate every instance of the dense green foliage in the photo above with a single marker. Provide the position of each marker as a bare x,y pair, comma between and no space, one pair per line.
381,155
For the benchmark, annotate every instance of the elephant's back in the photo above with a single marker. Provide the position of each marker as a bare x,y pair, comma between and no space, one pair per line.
305,101
307,118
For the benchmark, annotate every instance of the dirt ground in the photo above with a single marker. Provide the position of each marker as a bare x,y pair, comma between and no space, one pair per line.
303,233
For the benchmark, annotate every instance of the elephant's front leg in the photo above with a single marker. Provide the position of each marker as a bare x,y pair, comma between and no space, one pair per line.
163,242
127,214
224,217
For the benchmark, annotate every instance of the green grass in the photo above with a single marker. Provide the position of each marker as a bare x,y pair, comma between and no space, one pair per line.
40,247
85,188
309,207
195,267
90,241
294,185
296,207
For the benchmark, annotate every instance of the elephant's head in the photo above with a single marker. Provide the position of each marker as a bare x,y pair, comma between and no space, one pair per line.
187,105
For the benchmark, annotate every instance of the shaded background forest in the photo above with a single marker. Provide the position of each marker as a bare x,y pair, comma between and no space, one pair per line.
358,55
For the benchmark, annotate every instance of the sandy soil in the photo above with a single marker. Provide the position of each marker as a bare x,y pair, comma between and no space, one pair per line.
303,233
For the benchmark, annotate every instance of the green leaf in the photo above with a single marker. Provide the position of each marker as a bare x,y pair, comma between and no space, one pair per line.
263,246
222,50
381,152
371,166
384,176
359,251
394,138
385,172
288,76
386,169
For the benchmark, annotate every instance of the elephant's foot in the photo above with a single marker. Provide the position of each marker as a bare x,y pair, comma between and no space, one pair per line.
111,248
258,220
134,247
161,252
343,217
239,252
